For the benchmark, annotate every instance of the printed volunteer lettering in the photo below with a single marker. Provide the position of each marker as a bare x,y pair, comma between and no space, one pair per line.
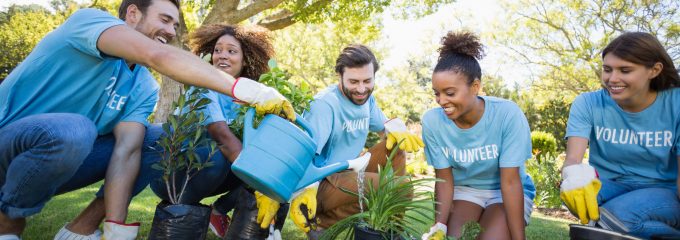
628,136
469,155
116,101
355,124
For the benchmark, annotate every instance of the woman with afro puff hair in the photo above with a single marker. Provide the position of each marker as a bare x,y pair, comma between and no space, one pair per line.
478,146
240,51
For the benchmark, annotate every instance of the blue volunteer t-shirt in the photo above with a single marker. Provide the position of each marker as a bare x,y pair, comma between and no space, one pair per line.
341,127
221,108
66,73
501,139
637,147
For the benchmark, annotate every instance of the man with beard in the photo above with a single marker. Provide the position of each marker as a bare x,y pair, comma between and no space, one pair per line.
75,112
341,117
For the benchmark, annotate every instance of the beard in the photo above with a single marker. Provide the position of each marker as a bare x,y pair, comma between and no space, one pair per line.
349,95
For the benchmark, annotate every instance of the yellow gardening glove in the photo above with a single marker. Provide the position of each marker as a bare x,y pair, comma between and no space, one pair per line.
120,231
397,132
266,209
265,99
437,232
579,191
305,198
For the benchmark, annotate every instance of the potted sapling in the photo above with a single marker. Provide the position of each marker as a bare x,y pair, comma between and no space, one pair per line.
183,137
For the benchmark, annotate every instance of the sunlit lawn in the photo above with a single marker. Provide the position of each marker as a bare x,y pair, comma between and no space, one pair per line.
65,207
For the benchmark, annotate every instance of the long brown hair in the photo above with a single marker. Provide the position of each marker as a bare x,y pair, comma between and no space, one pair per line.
255,43
645,49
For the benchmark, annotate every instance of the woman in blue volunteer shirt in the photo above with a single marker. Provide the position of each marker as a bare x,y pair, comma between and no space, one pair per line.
240,51
478,146
631,126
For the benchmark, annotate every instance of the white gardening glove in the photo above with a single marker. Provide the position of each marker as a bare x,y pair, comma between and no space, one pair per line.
65,234
360,163
579,191
437,232
397,132
265,99
120,231
303,207
9,237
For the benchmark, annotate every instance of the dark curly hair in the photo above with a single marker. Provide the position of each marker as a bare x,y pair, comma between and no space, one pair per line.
459,53
255,43
645,49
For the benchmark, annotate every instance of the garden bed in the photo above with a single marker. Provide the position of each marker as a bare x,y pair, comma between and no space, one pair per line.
556,213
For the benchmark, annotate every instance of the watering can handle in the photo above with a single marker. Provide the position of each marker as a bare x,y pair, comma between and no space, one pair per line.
305,126
248,128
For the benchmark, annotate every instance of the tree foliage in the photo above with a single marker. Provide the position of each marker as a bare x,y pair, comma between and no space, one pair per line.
564,38
408,91
23,26
279,14
309,51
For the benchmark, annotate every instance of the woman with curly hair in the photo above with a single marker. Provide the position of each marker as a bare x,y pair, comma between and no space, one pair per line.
478,146
240,51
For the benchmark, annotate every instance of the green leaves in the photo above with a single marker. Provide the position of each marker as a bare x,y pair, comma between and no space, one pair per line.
299,96
543,143
562,40
387,204
184,134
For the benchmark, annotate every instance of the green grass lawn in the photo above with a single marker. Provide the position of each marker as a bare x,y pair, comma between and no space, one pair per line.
65,207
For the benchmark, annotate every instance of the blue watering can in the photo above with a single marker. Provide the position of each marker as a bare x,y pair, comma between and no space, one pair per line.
276,159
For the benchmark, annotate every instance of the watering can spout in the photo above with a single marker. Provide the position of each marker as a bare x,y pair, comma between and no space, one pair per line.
314,174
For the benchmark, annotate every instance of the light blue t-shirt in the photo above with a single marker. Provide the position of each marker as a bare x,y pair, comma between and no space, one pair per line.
501,139
66,73
221,108
341,127
637,147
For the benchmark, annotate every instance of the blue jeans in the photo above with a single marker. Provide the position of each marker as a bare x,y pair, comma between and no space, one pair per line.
48,154
641,210
210,181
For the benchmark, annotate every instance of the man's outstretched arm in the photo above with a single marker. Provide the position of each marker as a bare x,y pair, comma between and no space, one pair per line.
134,47
129,44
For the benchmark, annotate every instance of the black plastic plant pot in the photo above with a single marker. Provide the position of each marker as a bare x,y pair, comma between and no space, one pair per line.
365,233
582,232
180,222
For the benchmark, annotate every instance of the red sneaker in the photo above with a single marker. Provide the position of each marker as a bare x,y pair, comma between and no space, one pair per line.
219,223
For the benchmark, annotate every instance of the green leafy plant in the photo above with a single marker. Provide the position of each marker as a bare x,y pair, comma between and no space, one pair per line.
551,117
387,204
546,176
183,135
300,96
470,231
542,144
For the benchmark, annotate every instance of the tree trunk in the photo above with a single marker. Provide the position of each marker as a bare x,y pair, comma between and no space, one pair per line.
170,89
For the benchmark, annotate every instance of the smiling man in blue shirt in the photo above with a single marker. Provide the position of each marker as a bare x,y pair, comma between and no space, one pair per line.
74,112
341,118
